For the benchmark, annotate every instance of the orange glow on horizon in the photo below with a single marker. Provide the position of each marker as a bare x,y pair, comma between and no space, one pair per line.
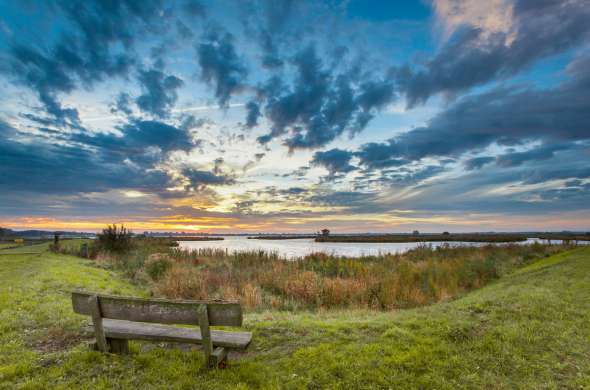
305,224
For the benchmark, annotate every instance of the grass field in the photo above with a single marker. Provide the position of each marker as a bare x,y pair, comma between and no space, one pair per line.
528,330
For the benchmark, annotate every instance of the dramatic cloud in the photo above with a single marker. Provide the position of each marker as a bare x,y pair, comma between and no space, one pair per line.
99,47
123,104
154,133
320,106
336,161
474,56
220,65
36,166
200,178
478,162
504,116
253,114
159,92
544,152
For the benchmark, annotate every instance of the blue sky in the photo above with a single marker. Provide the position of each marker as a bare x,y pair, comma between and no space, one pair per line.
292,116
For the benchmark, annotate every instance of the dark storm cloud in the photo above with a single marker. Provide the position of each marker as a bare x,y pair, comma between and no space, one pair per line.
469,58
36,166
268,24
220,65
123,104
320,105
154,133
47,77
142,142
478,162
200,178
159,92
99,46
378,155
544,152
253,114
294,191
536,176
336,161
505,116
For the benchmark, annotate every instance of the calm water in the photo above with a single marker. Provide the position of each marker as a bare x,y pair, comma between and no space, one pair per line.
302,246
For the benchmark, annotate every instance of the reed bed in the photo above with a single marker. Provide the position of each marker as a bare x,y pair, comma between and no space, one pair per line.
264,280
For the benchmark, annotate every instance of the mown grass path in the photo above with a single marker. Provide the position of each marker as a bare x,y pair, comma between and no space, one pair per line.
529,330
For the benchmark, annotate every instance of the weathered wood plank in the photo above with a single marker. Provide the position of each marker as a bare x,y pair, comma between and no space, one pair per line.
95,312
164,311
205,333
120,329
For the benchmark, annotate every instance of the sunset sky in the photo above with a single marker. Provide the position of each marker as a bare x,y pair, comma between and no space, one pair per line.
292,116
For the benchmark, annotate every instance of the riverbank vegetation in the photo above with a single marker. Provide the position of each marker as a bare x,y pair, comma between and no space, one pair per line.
281,237
444,237
196,238
565,237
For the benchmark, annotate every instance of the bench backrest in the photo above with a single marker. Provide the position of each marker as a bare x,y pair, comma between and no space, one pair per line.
162,311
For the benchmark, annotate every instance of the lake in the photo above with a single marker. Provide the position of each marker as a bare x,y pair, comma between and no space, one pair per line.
298,247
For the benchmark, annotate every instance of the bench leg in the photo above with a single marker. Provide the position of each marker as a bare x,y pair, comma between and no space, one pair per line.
93,345
119,346
218,358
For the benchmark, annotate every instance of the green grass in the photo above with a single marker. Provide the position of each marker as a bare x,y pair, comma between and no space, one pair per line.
529,330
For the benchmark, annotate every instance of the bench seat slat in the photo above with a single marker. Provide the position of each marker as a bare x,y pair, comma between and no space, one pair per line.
120,329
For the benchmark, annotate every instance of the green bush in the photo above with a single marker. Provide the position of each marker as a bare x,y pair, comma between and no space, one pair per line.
156,266
115,239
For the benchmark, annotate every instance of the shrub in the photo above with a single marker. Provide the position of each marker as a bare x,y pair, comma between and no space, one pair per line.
157,265
115,239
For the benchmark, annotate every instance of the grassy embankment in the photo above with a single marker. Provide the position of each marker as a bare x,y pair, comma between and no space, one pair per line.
399,238
530,329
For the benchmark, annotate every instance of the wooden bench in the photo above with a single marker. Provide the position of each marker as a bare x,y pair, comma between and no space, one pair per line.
119,319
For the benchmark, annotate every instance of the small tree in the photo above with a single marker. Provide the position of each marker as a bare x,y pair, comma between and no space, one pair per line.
415,232
325,232
115,239
446,233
